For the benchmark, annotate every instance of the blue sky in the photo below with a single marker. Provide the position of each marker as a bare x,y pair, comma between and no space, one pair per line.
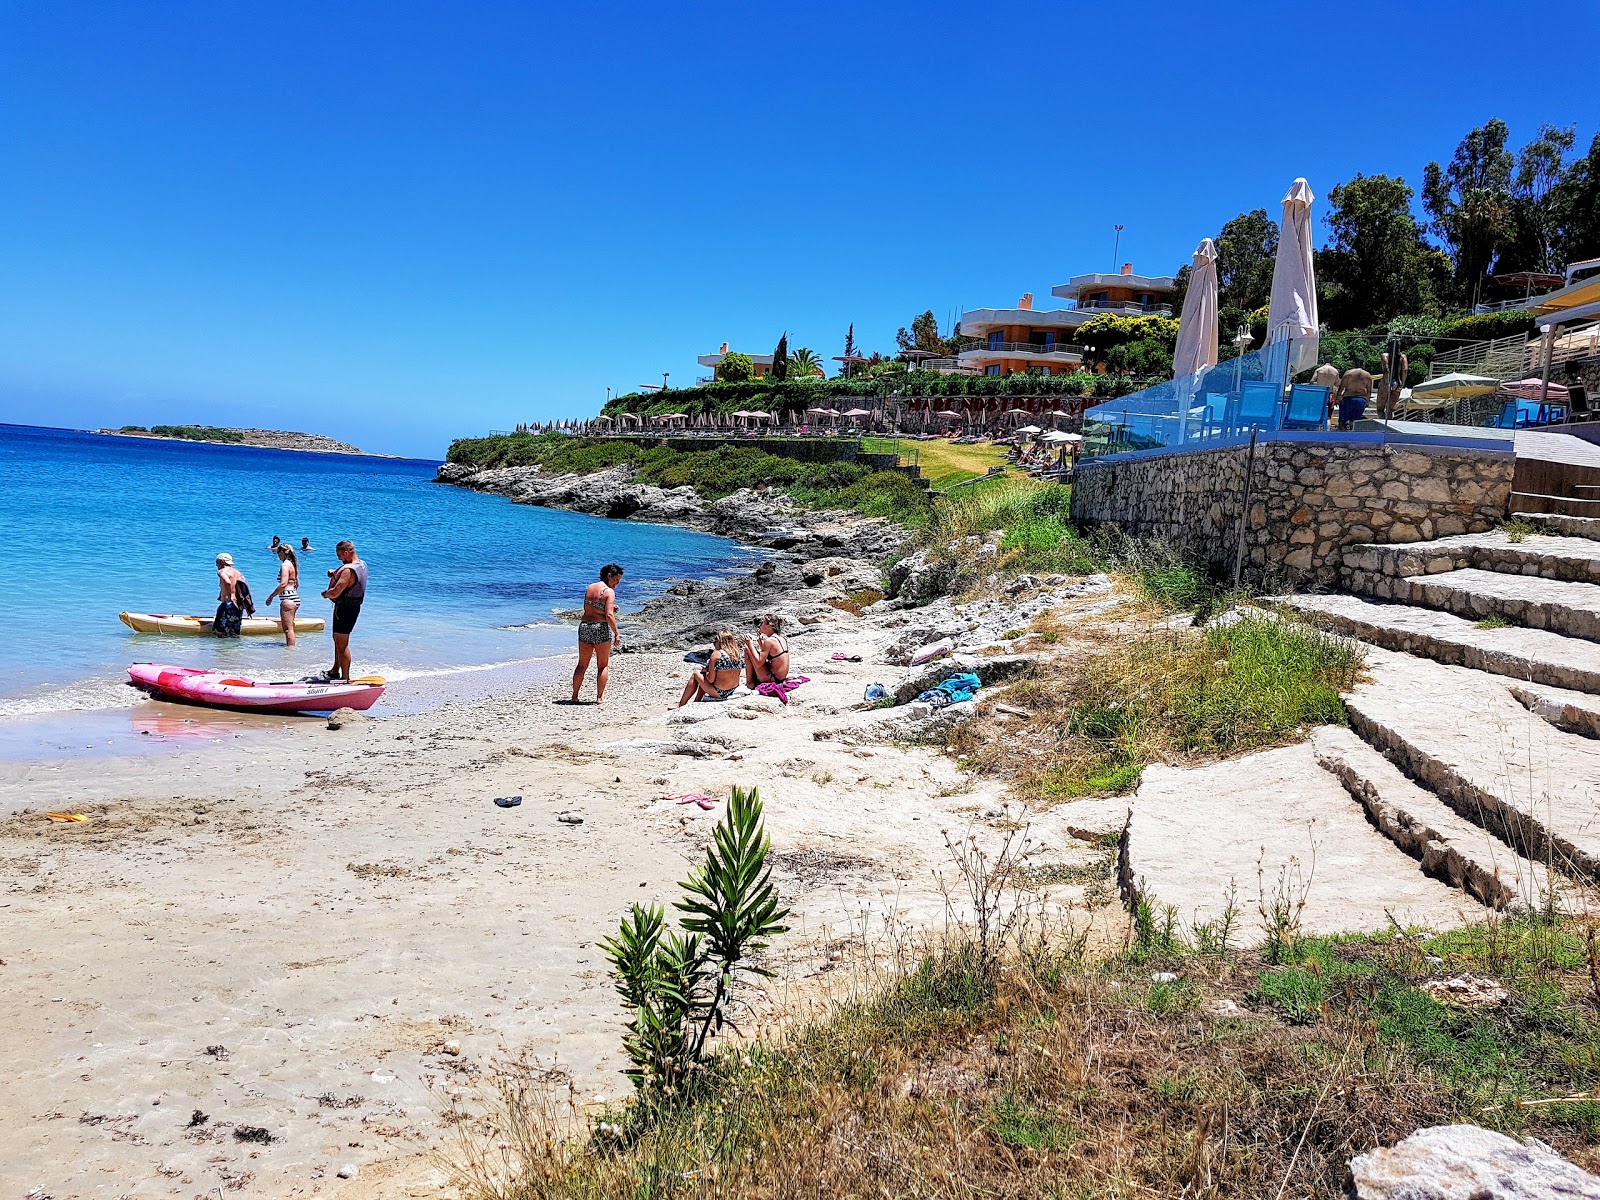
397,223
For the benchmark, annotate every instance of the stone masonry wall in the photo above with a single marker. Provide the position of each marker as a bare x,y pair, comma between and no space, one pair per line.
1309,500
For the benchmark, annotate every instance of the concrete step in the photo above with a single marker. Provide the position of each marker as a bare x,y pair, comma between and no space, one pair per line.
1567,608
1532,655
1463,736
1566,710
1447,845
1548,556
1584,527
1274,823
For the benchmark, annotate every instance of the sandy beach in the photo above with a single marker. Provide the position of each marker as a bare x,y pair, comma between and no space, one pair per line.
323,936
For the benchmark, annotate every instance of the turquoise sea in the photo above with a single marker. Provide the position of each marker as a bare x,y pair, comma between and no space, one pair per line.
91,525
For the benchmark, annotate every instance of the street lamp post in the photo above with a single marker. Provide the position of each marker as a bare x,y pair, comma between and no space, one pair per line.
1116,248
664,375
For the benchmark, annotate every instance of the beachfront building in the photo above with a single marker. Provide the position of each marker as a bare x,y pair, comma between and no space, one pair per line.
762,362
1023,339
1020,340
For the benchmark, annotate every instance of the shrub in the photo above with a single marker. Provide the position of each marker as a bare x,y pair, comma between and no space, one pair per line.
1486,326
679,986
734,368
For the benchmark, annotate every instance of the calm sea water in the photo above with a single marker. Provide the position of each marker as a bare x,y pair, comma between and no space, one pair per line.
93,525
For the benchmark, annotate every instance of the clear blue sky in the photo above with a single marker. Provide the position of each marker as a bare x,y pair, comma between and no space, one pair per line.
400,222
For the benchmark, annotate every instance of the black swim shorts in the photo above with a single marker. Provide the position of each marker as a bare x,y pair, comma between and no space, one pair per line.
345,613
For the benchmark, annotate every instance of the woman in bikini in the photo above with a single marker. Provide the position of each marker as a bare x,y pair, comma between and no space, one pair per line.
766,656
598,634
722,673
287,591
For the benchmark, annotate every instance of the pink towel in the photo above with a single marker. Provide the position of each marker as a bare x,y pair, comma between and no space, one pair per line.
782,690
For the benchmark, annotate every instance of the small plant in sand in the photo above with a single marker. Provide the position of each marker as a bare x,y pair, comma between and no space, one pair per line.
679,986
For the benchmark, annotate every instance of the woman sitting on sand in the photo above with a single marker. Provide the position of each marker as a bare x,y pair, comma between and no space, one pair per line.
287,591
766,656
722,671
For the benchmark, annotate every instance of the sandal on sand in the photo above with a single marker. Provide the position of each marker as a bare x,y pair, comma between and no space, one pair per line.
507,801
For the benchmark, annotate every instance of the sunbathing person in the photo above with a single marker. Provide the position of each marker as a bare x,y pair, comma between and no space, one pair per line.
721,674
766,656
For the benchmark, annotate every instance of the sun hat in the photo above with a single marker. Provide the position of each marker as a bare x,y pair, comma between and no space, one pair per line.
225,559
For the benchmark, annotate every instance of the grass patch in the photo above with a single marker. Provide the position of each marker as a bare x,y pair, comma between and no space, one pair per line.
1060,1075
1517,529
943,463
1097,722
1493,621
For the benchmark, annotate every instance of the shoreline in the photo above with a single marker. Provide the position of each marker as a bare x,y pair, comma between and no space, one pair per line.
364,935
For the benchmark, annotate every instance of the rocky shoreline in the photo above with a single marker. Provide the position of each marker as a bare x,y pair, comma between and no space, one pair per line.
813,561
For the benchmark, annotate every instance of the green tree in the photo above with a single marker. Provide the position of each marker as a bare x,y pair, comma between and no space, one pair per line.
1377,264
924,335
1247,247
780,358
1539,202
1470,204
1580,207
735,368
804,363
850,350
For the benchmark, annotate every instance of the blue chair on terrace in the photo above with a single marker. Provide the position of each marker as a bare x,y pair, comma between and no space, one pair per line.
1212,414
1258,405
1308,407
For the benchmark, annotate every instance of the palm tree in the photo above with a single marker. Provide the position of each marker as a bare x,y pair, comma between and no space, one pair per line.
804,363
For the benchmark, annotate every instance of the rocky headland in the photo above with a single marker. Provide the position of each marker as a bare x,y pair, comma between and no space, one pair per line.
270,439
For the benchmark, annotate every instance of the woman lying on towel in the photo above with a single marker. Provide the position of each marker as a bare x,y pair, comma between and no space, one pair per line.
721,675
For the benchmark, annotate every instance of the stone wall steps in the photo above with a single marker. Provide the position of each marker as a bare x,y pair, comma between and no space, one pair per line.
1447,846
1269,822
1547,556
1559,523
1570,608
1463,736
1532,655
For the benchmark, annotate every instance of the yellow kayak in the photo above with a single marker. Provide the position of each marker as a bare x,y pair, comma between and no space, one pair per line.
196,626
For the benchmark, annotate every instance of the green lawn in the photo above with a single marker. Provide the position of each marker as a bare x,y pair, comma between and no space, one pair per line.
942,463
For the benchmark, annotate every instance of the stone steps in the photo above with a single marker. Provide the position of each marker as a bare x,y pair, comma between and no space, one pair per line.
1567,526
1532,655
1462,735
1273,824
1446,845
1543,555
1571,608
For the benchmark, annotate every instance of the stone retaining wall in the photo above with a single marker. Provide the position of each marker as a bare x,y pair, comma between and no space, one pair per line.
1309,500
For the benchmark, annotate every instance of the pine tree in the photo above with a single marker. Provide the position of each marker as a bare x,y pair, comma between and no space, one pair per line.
780,358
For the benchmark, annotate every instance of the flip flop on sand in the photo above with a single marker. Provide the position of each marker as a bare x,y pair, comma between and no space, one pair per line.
507,801
707,803
66,816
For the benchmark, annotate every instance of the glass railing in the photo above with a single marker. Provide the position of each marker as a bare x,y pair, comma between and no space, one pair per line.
1222,403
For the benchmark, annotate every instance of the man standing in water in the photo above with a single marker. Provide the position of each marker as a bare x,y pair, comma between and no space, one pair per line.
232,593
598,634
347,588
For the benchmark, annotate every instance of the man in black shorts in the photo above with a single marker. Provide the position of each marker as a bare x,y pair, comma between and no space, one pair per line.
347,588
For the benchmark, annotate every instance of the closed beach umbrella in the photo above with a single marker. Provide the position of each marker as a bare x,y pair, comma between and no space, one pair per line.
1532,389
1197,327
1455,386
1292,313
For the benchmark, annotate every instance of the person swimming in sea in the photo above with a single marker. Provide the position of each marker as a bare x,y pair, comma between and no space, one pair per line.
306,547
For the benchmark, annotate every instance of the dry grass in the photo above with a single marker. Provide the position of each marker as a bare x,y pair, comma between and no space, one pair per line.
1065,1077
1163,695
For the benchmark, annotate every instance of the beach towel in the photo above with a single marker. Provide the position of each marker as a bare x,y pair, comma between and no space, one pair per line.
782,690
932,651
953,690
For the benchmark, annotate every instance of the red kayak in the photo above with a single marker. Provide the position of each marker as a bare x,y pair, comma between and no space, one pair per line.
222,690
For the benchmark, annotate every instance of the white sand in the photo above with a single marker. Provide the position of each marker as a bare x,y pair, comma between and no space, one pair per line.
329,909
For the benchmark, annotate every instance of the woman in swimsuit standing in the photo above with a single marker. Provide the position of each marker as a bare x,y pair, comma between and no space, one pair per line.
722,672
287,591
766,656
598,634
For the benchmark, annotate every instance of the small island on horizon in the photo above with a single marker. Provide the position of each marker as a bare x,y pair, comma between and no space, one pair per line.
271,439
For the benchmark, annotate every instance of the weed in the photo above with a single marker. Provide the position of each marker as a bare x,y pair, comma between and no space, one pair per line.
1015,1122
1493,621
1516,529
1283,909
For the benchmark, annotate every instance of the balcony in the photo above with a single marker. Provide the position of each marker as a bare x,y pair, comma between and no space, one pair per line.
1126,308
1062,350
